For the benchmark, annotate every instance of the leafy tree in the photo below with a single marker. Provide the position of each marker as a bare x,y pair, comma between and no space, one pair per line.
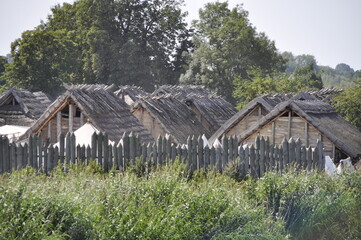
306,77
226,46
348,104
104,41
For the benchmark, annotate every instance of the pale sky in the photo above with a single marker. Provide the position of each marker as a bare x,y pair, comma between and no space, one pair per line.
328,29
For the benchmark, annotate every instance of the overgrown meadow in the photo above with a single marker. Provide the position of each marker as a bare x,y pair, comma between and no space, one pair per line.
83,202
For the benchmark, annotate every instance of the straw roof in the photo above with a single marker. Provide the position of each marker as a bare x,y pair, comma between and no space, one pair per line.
323,117
21,107
131,92
102,108
174,116
215,109
181,90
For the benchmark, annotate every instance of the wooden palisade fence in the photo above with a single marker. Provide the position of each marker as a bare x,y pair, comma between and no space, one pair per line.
254,160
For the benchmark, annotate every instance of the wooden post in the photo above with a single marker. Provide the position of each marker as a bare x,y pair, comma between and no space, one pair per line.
252,159
320,154
58,123
303,157
225,151
93,147
262,157
49,130
30,148
120,160
159,150
289,124
189,151
35,153
88,155
173,152
106,160
126,148
273,133
309,158
50,159
100,149
56,157
241,162
71,117
61,139
39,146
257,156
271,158
194,153
200,162
155,153
219,159
246,161
1,155
212,158
291,151
19,157
26,155
298,152
68,147
285,153
73,148
164,151
306,134
206,158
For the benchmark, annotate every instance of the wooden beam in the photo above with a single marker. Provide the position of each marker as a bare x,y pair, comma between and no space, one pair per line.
49,130
71,117
306,134
58,123
259,112
273,132
289,124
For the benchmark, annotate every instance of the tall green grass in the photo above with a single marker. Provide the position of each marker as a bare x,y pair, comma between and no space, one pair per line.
170,203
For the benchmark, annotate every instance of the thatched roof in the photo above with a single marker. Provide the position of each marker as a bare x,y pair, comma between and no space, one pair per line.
266,101
181,90
174,116
216,110
323,117
102,108
324,94
131,92
21,107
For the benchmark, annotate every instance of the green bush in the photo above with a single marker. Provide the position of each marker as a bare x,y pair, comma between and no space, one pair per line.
84,202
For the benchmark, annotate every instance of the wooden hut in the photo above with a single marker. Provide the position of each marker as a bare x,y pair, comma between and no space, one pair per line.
130,94
309,121
86,103
212,111
21,107
167,115
249,115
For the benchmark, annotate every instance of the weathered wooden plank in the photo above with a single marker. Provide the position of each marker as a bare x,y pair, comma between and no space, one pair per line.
106,157
285,153
309,158
61,140
1,154
200,161
291,151
194,153
219,159
173,152
246,161
212,158
159,152
88,155
241,162
55,160
71,117
262,156
303,157
50,159
126,147
93,147
298,152
252,160
100,149
12,154
224,151
58,124
68,147
189,152
26,155
73,148
206,151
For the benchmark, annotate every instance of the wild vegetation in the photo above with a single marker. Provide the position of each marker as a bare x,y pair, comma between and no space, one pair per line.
170,203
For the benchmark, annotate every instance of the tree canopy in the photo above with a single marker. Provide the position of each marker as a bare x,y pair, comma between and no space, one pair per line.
226,46
104,41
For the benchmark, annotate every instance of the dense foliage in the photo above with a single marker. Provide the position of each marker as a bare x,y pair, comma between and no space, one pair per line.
226,46
348,104
104,41
86,203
